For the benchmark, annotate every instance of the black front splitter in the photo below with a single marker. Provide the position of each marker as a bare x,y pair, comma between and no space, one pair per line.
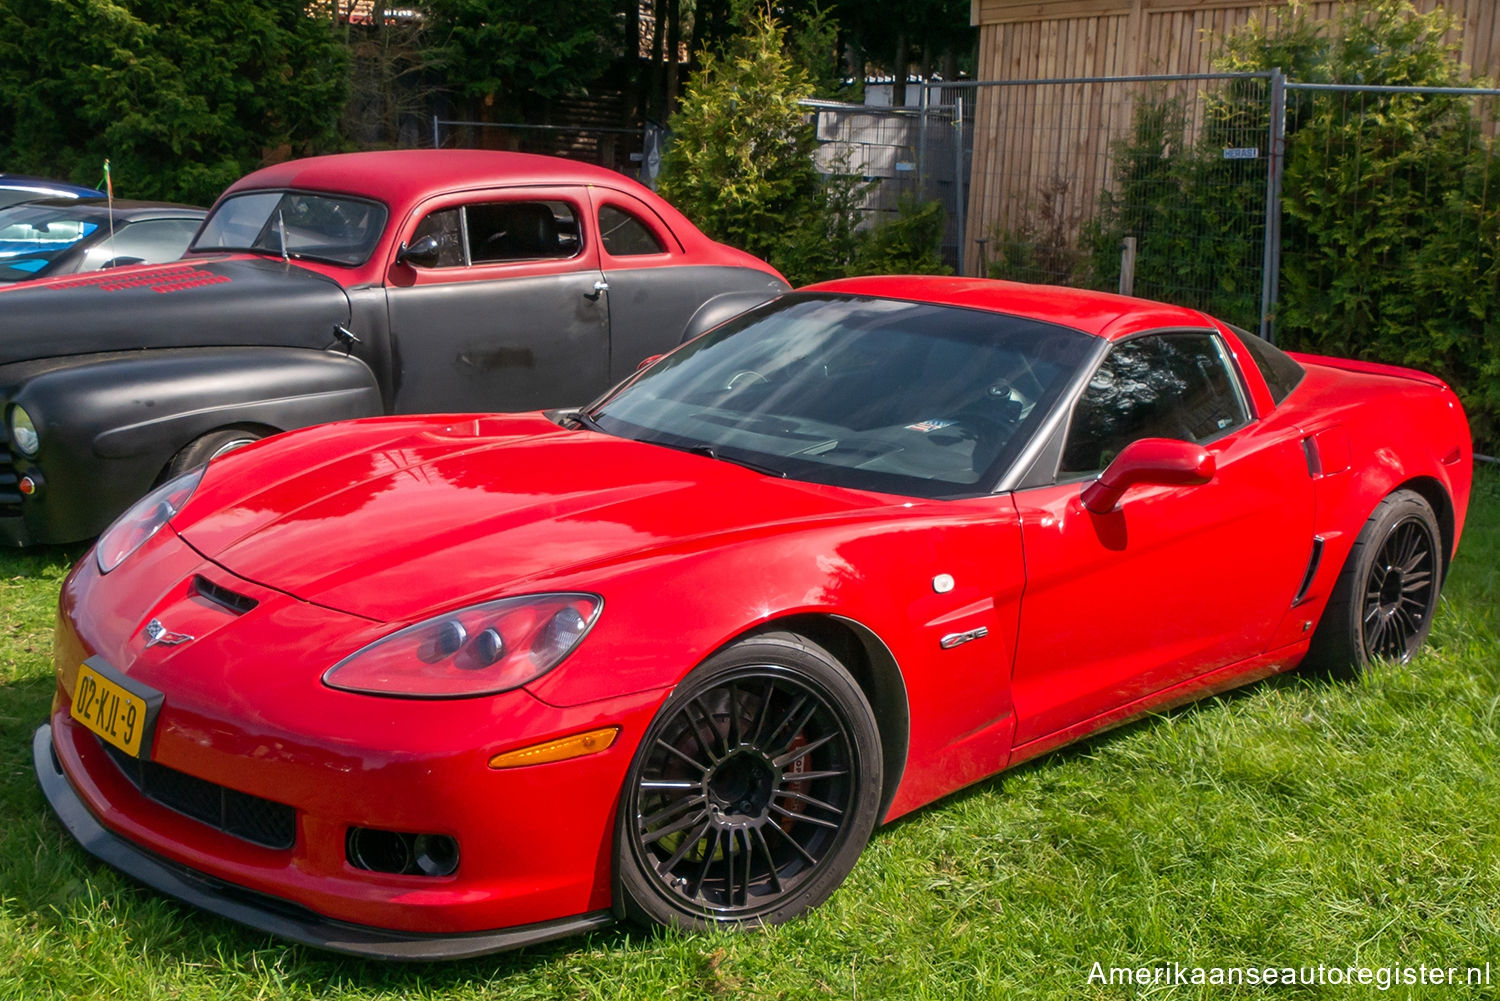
271,914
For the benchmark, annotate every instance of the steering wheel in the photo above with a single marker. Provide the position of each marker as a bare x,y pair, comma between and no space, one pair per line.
745,377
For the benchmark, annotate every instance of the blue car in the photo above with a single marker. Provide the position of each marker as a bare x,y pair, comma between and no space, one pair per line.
58,236
20,188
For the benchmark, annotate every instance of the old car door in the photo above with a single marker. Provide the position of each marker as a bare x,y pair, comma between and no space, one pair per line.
499,309
1177,580
652,290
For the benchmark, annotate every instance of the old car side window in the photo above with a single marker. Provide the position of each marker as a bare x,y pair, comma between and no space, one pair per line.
1161,386
446,226
521,231
623,235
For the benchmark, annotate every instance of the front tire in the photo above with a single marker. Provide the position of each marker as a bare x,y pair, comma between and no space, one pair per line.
210,446
1383,602
752,793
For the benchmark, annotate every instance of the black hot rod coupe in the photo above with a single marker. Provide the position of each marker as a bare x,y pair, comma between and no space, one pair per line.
413,281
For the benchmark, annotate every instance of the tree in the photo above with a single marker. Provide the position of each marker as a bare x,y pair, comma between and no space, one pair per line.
508,56
741,166
183,97
741,160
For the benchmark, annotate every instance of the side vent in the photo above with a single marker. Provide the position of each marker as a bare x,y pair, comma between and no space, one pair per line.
1312,571
1314,462
222,596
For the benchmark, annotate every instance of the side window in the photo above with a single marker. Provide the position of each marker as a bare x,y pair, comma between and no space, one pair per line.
151,241
624,235
521,231
446,225
1160,386
1282,374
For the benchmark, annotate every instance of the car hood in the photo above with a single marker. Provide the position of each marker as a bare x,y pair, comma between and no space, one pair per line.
399,519
217,302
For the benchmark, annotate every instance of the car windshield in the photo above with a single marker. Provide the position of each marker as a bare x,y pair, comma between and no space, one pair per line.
319,227
900,397
33,236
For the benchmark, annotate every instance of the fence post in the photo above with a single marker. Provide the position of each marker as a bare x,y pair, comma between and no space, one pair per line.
1270,276
1127,266
437,143
922,144
959,209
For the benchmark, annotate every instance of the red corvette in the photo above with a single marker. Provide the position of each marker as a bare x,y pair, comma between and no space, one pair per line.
428,687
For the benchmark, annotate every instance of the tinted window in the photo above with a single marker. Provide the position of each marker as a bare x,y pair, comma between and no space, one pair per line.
1281,373
901,397
1161,386
521,231
624,235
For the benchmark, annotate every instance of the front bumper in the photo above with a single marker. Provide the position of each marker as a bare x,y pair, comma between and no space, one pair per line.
271,914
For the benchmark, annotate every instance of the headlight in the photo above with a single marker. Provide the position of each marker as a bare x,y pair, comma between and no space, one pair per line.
144,519
480,650
23,432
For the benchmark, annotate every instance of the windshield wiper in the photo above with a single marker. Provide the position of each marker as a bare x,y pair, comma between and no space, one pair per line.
712,453
585,420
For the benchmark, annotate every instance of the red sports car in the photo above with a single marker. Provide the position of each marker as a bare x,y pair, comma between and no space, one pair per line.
431,686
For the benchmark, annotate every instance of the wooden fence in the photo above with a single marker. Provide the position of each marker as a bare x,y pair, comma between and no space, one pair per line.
1041,154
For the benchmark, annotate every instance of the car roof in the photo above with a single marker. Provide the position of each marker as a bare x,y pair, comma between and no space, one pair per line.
45,186
1102,314
125,209
406,175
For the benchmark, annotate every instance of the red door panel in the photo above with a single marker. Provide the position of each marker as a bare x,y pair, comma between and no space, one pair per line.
1175,582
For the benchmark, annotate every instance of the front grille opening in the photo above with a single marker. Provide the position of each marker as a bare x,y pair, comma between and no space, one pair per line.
10,482
259,821
222,596
400,853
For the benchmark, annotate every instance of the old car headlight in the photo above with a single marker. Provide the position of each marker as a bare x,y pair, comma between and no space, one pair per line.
479,650
23,433
144,519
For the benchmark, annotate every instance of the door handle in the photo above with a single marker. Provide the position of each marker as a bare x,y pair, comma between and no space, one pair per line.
599,286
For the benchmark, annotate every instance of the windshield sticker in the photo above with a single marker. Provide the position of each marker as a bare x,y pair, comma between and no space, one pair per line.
932,425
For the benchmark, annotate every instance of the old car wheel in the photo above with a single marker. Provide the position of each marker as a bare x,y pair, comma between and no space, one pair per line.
753,792
210,446
1383,602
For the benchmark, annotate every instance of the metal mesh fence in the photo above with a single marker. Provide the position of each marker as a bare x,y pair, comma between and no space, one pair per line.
619,149
903,155
1082,182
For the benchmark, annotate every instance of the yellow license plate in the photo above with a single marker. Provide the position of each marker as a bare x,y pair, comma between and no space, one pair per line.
106,708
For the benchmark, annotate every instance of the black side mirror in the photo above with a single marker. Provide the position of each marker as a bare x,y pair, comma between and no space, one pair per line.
423,254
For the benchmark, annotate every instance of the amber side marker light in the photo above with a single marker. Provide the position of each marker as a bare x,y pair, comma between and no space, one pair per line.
576,746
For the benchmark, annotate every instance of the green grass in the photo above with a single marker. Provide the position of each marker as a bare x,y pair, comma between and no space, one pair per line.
1300,821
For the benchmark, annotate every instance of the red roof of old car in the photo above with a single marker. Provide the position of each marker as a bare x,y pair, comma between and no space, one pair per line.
413,174
1100,313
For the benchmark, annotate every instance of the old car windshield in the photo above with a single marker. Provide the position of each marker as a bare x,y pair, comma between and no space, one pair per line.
321,227
33,236
901,397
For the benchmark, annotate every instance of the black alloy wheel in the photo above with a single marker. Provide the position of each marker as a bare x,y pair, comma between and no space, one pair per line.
1383,602
1401,591
753,792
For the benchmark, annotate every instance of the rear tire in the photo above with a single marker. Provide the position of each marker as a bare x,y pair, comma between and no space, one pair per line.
1383,602
753,791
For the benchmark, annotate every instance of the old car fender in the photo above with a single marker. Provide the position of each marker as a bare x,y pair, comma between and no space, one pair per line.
110,424
726,306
